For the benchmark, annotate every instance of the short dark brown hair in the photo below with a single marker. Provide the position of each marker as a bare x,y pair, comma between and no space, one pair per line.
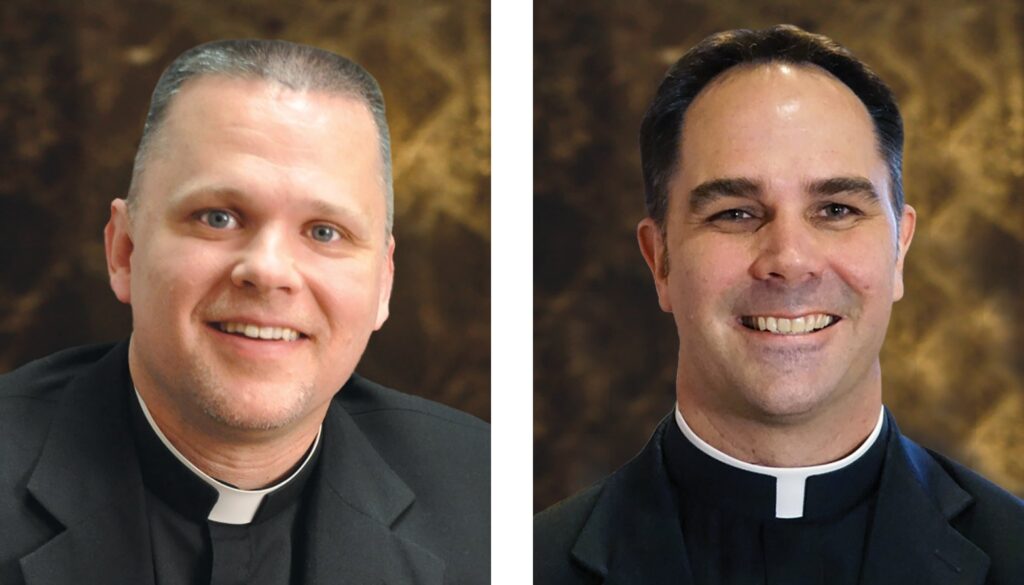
662,129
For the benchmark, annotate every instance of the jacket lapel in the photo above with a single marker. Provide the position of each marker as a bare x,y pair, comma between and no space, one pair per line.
356,502
912,540
633,533
88,479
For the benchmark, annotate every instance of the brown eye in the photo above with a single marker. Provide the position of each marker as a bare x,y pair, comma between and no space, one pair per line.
732,215
837,211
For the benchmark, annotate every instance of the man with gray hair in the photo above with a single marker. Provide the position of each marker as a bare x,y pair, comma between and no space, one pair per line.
229,440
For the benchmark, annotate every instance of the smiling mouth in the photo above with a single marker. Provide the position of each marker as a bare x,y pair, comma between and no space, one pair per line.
251,331
786,326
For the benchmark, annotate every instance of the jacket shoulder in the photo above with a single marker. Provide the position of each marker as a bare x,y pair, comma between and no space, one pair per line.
29,395
364,399
444,457
421,439
427,443
29,401
555,531
419,436
994,521
40,379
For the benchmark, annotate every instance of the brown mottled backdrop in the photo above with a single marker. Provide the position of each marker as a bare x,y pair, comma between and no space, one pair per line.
605,354
76,79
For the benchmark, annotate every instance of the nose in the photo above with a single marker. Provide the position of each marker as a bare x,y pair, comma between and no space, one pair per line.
267,264
788,251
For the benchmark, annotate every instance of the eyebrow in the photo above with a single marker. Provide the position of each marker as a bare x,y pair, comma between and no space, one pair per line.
836,185
331,210
708,192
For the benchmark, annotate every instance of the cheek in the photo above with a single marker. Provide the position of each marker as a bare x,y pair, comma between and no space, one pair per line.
708,274
867,267
173,279
347,293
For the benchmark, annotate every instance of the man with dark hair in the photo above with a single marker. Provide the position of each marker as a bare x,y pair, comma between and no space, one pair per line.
776,236
228,440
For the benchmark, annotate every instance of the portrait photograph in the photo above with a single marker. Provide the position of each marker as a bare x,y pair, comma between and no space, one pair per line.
726,285
604,356
78,80
245,292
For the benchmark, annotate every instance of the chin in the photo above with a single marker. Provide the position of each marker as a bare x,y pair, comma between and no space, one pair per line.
256,409
787,399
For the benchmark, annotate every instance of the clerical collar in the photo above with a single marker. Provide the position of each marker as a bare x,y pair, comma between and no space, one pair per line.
774,492
225,504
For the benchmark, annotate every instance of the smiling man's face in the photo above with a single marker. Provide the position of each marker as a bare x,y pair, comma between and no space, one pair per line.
256,262
783,254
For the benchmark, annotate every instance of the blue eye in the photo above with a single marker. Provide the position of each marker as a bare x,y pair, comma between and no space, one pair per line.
217,219
324,233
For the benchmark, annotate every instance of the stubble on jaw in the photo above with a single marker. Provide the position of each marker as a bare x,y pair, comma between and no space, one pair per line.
221,403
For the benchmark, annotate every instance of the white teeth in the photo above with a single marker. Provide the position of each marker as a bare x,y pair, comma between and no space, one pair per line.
786,326
255,332
798,325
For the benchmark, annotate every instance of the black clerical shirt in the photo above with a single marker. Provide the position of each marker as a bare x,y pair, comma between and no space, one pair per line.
188,548
730,524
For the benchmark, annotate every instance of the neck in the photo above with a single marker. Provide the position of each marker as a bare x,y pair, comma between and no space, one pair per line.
827,434
248,460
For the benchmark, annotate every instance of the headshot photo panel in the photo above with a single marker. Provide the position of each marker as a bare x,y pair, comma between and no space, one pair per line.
245,299
777,283
737,286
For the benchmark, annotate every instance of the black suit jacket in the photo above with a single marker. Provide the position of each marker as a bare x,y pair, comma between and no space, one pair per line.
935,523
403,494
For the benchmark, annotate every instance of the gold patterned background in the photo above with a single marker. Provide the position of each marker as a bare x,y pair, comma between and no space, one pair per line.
605,355
76,79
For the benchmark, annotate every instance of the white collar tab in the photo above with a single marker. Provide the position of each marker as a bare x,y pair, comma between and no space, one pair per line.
790,482
234,506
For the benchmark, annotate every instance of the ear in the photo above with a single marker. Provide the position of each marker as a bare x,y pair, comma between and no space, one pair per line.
117,239
907,224
653,247
387,279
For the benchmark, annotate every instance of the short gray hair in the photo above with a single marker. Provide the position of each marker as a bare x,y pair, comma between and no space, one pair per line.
297,67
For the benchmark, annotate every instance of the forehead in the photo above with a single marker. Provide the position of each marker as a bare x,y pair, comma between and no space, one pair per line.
261,138
208,105
777,120
776,90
